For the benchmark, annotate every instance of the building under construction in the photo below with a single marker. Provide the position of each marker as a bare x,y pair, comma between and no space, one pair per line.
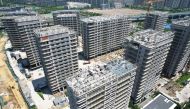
102,86
179,53
20,32
68,18
103,34
58,53
148,50
156,20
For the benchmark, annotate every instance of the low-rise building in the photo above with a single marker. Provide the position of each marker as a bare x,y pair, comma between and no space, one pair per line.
160,102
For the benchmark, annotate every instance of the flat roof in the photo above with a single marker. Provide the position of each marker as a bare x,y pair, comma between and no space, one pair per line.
21,19
183,22
65,11
150,38
159,13
96,75
102,18
67,15
160,102
52,30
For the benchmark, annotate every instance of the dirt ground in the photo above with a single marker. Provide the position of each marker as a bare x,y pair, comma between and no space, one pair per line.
8,87
123,11
171,88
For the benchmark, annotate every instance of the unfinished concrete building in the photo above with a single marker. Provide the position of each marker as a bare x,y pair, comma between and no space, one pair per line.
103,34
68,18
148,50
155,21
180,50
20,32
58,52
103,86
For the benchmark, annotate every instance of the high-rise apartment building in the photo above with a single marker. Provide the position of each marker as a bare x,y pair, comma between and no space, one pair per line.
134,2
103,34
58,53
180,49
148,50
155,21
68,18
20,32
172,4
94,3
103,86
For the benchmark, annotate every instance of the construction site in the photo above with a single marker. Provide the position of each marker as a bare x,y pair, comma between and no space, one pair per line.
123,11
10,96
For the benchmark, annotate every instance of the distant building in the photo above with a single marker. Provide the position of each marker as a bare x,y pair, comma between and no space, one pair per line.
159,4
103,34
68,18
71,5
148,50
118,5
42,2
10,9
155,21
177,4
104,86
94,3
58,53
20,13
180,49
20,32
135,2
160,102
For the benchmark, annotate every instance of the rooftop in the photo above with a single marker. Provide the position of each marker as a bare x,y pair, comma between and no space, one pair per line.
96,75
25,18
102,18
150,37
57,29
26,91
66,15
160,102
64,11
185,22
159,13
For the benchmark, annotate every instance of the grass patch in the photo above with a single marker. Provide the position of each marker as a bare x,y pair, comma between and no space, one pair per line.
155,94
183,79
49,9
41,95
133,106
89,14
33,107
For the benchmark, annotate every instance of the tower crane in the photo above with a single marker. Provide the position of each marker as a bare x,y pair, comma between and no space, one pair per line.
150,3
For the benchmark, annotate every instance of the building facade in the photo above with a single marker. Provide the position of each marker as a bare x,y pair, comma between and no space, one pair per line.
20,32
103,34
58,52
177,4
155,21
68,18
148,50
180,49
104,86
